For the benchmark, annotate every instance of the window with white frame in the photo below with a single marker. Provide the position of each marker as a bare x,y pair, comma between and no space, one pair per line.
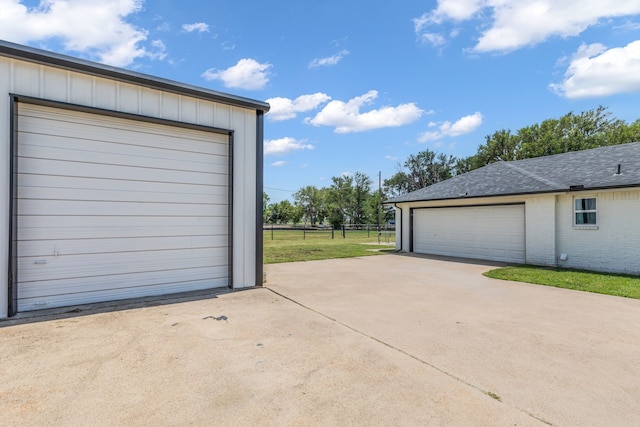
584,212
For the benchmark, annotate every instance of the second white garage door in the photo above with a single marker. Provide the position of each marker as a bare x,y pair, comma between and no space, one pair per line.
483,232
112,208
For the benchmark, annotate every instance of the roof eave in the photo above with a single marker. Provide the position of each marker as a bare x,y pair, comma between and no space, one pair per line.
484,196
75,64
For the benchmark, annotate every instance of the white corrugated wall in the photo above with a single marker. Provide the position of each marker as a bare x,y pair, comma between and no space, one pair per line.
43,81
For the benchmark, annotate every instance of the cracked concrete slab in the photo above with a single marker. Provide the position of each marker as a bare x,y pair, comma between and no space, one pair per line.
562,356
241,358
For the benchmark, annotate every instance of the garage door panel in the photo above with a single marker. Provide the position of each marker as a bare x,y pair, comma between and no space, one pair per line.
120,132
65,247
80,208
106,153
91,170
55,193
112,208
57,187
61,300
54,287
482,232
97,227
33,269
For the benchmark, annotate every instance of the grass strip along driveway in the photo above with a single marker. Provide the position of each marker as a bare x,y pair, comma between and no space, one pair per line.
602,283
294,246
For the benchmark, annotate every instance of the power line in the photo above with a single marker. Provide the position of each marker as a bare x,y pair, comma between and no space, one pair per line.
280,189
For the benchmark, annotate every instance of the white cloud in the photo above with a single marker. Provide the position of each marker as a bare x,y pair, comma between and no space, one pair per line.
346,116
456,10
346,174
390,157
160,50
279,163
595,71
97,28
279,147
227,45
434,39
200,27
513,24
165,26
462,126
328,61
285,108
246,74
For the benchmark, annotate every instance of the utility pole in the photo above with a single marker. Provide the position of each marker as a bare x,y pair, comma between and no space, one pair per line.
379,202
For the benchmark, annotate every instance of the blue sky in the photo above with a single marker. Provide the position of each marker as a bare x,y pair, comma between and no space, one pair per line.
360,85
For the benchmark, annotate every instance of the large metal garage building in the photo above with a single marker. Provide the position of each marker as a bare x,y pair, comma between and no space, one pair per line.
117,184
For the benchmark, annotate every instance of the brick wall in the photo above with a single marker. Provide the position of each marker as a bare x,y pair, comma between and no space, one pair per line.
540,230
613,245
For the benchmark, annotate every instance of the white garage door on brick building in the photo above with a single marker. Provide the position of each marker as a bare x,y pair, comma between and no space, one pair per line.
493,233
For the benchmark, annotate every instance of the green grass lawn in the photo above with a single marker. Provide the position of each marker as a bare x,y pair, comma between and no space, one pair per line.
602,283
292,246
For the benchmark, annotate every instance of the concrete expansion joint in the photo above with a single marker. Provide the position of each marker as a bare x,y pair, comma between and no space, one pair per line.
399,350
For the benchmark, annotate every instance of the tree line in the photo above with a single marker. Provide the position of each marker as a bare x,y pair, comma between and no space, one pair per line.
351,199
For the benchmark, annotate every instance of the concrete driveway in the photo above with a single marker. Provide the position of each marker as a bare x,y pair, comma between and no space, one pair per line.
386,340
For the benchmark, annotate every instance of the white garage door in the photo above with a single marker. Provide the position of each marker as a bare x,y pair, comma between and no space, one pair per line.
483,232
112,208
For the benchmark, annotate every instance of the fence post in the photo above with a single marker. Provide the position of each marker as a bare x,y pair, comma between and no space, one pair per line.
304,232
332,232
344,236
271,231
368,230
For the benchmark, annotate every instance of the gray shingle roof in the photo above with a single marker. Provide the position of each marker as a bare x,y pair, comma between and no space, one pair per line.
593,169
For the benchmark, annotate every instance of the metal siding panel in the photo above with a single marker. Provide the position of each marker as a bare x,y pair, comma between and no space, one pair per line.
5,158
128,98
26,78
106,94
150,102
80,89
188,110
55,84
206,112
223,117
240,196
83,240
170,108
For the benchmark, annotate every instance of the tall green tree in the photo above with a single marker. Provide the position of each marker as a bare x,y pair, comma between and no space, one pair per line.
501,145
283,212
361,194
419,171
311,201
339,199
347,199
571,132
